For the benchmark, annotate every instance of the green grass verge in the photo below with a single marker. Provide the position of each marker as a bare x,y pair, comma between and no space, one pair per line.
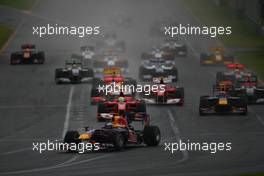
253,175
243,34
5,33
18,4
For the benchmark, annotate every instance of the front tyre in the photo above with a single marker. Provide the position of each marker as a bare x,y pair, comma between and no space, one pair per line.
119,142
151,135
72,137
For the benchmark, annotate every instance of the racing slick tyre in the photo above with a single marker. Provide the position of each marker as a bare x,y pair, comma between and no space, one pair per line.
151,135
14,59
174,72
141,107
180,94
219,77
143,71
118,142
58,74
95,93
72,137
203,57
101,108
243,104
202,104
244,113
41,57
89,73
97,82
201,113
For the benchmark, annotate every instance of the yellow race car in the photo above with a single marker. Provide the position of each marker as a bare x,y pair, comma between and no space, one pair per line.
217,56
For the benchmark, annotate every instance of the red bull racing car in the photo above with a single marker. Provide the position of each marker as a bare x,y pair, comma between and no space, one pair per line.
244,82
27,55
114,136
222,102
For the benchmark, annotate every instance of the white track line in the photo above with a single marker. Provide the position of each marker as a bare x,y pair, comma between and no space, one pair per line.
16,151
70,160
61,165
176,132
257,115
12,36
38,106
67,116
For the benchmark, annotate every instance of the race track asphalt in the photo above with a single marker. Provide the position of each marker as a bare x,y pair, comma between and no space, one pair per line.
33,108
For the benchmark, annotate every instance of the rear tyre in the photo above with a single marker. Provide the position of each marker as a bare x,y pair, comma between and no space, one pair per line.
14,59
101,108
203,57
201,113
151,135
119,142
203,104
41,57
58,75
72,137
141,107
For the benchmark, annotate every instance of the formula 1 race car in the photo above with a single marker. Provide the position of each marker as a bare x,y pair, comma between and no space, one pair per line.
222,102
174,46
158,67
116,134
110,42
73,72
244,82
234,71
110,60
165,94
248,84
88,54
27,55
157,52
134,109
216,57
111,85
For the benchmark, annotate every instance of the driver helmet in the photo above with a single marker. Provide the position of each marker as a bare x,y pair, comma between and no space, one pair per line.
121,99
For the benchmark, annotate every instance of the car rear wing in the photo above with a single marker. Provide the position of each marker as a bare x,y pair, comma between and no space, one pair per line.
83,48
235,66
223,87
164,79
217,49
76,61
112,71
132,112
28,46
